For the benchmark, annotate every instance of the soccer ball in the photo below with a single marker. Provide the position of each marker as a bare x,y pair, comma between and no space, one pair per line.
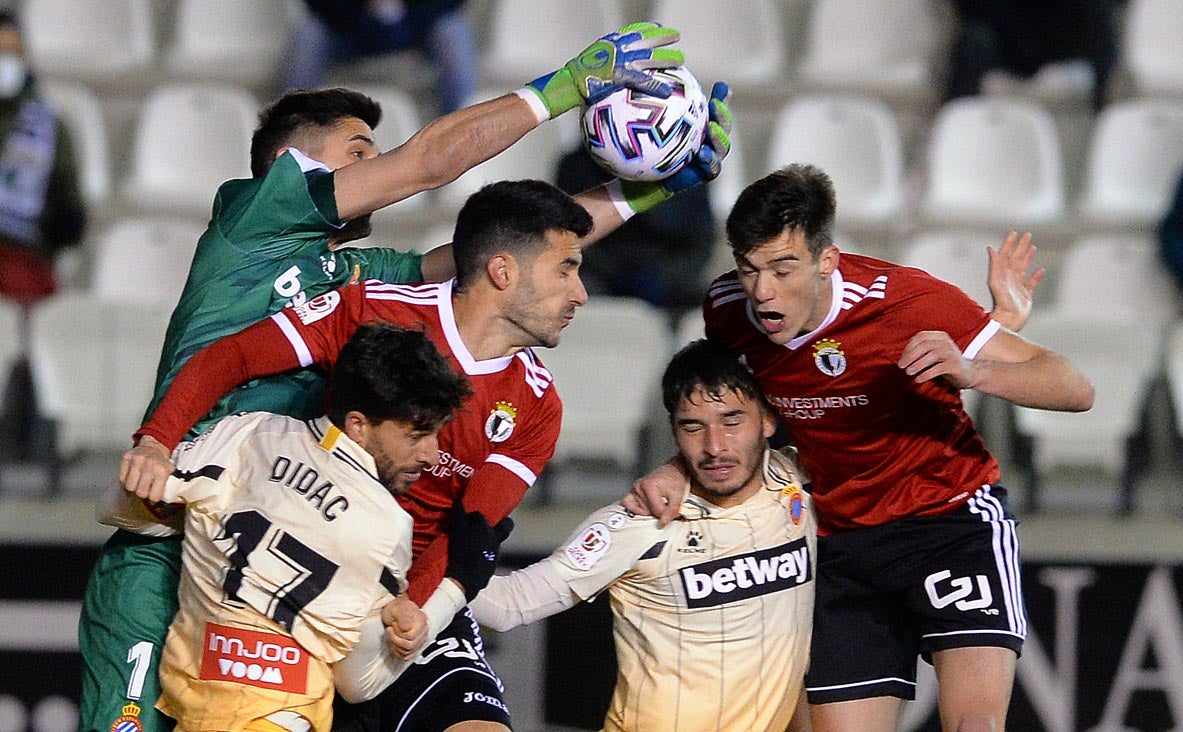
636,136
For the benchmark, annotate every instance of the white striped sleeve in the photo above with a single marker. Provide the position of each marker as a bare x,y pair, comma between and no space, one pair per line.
294,338
513,466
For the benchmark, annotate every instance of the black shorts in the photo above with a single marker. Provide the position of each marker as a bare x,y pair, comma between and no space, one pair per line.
450,683
889,593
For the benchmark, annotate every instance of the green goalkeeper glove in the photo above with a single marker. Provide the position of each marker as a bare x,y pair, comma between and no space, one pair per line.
615,61
703,167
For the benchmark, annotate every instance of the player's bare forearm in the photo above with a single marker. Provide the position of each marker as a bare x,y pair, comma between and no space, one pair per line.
434,156
604,212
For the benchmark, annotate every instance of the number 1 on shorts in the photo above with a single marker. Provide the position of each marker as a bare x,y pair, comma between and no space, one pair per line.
141,655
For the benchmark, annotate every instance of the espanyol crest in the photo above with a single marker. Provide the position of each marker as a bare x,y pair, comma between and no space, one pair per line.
499,426
828,357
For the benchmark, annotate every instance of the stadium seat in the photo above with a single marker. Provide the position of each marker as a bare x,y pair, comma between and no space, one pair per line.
528,39
732,179
1113,353
144,259
82,113
229,40
1153,46
1134,160
957,257
606,370
93,364
534,156
887,49
993,163
857,142
745,44
214,123
1135,285
95,40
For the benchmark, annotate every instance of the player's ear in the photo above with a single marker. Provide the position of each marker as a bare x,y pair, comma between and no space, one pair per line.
356,427
827,261
502,269
768,420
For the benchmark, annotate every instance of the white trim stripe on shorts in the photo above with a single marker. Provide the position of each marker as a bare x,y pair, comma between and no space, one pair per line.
1006,556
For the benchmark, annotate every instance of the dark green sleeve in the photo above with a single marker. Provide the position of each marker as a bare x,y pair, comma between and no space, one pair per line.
388,265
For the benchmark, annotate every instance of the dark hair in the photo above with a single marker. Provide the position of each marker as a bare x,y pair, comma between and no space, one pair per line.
710,366
797,197
8,19
392,373
511,216
306,111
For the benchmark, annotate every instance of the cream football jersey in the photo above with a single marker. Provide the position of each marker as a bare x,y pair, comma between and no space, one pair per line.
712,614
291,542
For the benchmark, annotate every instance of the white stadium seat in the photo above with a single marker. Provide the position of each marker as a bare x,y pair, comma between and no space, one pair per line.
873,47
606,370
994,163
743,44
1153,46
90,39
1134,161
857,142
229,40
957,257
93,363
189,140
529,38
1135,285
144,259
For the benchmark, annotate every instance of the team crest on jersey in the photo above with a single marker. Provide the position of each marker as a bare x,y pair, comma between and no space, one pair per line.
318,307
129,721
589,546
828,356
499,426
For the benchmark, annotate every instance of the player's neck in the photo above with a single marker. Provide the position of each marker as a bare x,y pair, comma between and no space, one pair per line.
484,332
821,309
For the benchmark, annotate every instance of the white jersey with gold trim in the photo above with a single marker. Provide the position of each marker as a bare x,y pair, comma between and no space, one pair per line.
711,614
290,543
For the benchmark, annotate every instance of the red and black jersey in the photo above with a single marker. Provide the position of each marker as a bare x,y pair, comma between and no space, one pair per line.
490,453
878,445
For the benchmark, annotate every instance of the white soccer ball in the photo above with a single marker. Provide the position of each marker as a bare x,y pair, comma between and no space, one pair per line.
636,136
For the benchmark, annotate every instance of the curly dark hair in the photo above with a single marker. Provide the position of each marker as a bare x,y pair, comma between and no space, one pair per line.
387,372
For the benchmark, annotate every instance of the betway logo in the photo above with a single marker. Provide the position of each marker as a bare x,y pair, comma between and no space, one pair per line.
265,660
762,572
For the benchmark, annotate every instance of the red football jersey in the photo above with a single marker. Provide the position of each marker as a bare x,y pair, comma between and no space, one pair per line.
878,446
490,453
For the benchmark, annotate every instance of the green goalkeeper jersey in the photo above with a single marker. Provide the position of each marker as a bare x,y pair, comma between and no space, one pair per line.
267,247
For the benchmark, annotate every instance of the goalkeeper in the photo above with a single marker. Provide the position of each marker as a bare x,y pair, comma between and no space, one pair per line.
276,240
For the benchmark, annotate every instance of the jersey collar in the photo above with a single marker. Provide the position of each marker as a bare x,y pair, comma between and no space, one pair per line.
333,440
836,286
471,366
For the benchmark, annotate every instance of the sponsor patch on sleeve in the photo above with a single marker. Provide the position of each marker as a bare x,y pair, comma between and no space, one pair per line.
318,307
589,546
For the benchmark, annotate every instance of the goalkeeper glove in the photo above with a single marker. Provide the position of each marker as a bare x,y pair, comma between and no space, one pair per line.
617,60
473,548
703,167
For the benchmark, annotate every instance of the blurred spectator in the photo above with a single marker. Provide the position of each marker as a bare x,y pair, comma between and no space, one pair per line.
658,256
1021,36
1170,236
41,205
340,31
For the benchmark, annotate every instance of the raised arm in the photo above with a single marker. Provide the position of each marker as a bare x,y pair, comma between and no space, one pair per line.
447,147
1007,366
1012,288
